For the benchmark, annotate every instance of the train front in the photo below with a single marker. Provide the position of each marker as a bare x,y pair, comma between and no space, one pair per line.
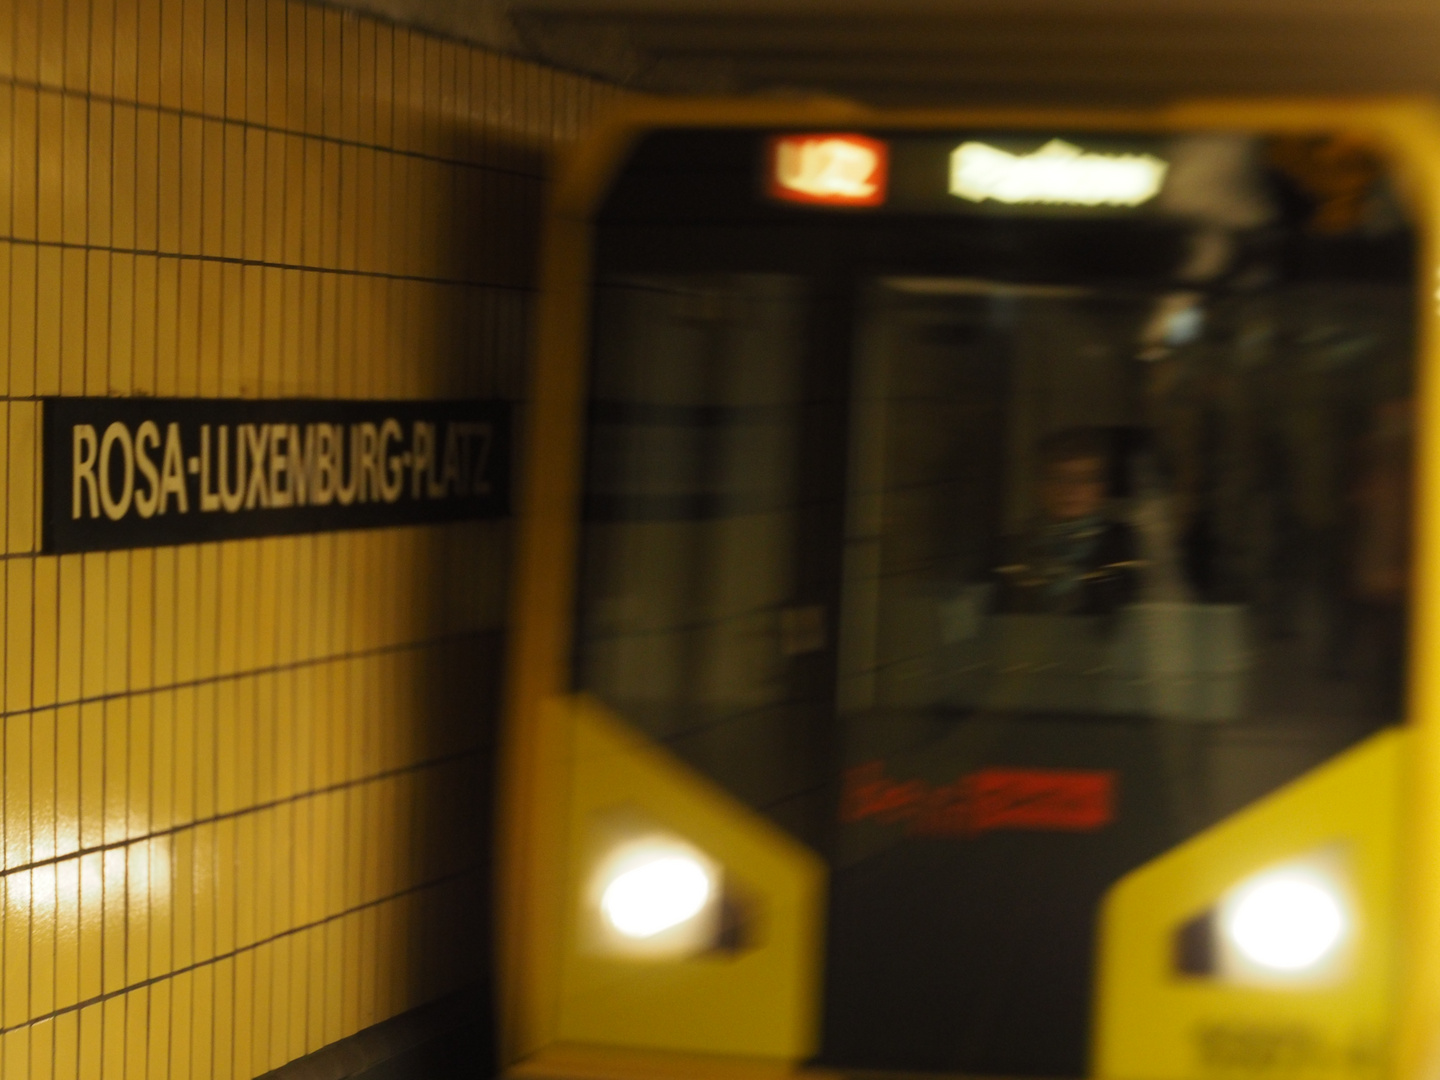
967,621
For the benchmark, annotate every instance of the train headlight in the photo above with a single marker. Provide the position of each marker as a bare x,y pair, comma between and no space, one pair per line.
1290,921
655,896
659,893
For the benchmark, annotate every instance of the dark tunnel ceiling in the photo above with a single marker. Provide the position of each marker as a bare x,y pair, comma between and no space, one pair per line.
893,51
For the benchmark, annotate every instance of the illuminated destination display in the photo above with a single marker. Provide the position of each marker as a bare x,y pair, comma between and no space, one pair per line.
828,169
1059,173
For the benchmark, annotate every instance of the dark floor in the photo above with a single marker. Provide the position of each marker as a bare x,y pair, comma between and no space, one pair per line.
450,1039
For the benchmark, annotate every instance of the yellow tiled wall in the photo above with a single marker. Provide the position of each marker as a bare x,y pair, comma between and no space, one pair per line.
243,782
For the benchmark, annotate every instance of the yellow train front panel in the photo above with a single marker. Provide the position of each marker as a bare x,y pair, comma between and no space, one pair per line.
973,608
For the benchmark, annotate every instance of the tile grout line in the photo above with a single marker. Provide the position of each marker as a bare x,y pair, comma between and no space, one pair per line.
100,999
271,669
182,113
264,264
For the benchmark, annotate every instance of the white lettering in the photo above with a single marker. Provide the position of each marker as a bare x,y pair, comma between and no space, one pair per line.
257,438
231,498
172,472
434,483
451,479
393,465
117,434
147,501
345,491
422,456
369,464
83,470
323,488
479,481
300,461
209,500
279,465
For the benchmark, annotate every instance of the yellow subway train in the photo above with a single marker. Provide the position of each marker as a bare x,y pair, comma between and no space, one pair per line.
975,599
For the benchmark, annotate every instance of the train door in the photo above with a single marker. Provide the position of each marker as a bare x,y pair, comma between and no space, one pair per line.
714,501
994,784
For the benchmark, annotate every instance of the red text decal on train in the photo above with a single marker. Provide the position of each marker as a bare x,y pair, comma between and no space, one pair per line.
1068,800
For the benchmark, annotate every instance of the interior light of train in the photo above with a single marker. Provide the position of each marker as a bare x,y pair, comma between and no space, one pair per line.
1059,172
1185,326
1288,921
830,169
657,897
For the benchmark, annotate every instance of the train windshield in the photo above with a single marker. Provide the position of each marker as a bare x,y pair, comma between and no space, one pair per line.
993,548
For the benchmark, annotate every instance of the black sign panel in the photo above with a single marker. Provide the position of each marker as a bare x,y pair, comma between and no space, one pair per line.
144,472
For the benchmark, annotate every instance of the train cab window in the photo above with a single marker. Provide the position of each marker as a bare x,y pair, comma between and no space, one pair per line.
992,547
691,543
1085,506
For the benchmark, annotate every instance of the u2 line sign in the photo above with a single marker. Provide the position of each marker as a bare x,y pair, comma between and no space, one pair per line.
146,472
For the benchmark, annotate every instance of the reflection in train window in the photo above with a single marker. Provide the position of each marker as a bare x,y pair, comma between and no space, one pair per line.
690,625
1080,503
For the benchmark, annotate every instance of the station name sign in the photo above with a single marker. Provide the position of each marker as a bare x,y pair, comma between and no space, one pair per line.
146,472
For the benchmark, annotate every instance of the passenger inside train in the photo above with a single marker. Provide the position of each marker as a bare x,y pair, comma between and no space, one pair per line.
1077,559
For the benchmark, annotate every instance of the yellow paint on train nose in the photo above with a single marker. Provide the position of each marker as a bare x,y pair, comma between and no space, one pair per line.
644,833
1295,898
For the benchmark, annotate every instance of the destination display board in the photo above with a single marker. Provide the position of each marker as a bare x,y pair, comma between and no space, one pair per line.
147,472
